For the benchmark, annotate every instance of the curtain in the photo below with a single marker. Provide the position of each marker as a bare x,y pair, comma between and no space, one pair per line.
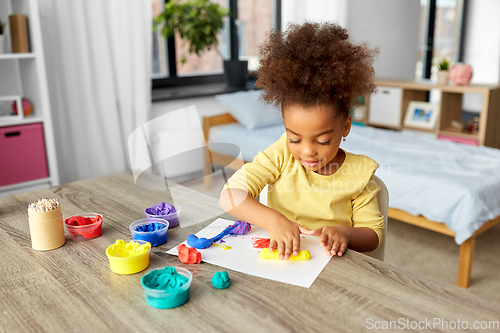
298,11
98,59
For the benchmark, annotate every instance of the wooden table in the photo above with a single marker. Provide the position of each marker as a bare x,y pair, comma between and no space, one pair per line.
72,288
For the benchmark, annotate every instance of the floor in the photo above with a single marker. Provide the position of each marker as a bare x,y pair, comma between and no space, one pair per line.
427,253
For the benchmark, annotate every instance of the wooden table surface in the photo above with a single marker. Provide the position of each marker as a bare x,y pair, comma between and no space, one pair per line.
72,288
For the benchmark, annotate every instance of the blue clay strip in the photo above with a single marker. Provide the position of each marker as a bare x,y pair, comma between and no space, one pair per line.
203,243
164,279
150,227
238,228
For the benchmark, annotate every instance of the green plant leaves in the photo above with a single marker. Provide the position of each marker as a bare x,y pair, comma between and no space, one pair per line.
197,21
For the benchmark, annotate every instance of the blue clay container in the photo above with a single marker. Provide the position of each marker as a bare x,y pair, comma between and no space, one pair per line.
157,237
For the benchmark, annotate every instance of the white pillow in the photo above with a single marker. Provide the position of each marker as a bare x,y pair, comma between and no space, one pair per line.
248,110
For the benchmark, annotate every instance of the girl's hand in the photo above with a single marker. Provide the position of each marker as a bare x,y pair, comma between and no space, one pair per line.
332,238
285,236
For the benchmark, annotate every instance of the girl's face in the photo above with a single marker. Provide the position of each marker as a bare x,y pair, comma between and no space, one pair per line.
314,134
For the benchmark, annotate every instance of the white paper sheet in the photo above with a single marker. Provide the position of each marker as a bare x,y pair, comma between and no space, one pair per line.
244,258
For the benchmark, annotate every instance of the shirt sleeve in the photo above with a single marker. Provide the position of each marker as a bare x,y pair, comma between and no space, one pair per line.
365,210
264,169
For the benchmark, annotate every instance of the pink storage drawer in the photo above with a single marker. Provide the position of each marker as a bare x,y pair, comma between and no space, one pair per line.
460,140
22,154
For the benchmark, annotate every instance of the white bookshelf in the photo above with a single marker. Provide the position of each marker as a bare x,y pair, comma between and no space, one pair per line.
24,75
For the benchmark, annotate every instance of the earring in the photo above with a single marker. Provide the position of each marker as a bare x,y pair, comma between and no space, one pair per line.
343,138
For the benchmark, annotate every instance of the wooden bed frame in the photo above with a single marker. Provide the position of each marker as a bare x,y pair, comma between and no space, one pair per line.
466,248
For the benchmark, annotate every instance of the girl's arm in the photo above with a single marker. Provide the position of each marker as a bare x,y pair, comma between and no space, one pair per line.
285,234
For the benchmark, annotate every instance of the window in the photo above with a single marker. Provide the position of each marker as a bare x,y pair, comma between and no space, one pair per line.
160,68
210,62
254,20
439,34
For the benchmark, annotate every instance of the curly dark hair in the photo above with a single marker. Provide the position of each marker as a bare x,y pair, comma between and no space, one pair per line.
315,63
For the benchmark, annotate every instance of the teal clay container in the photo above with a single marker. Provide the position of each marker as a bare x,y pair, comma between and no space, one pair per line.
167,298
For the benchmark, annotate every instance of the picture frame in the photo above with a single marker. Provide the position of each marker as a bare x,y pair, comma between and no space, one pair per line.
421,115
6,113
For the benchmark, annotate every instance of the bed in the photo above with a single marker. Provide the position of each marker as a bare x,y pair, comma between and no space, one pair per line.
463,179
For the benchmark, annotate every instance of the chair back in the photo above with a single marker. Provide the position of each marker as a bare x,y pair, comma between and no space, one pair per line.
383,204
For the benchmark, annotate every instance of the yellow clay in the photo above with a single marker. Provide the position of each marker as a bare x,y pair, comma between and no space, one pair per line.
222,246
128,258
265,254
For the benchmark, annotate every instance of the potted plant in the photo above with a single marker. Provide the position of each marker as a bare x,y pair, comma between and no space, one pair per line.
443,72
198,22
2,37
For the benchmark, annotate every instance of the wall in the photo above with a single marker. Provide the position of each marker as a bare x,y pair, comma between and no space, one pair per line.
392,26
482,40
482,47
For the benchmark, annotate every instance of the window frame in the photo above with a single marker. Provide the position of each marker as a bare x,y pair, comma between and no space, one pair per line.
173,80
429,35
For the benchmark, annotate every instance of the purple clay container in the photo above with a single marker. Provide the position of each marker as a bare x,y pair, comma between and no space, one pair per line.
173,218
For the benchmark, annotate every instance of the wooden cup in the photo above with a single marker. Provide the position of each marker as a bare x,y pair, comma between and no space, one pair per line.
46,230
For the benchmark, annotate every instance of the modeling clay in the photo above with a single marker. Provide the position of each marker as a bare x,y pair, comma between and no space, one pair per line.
260,243
242,228
265,254
161,209
167,288
221,280
188,255
225,247
79,220
164,279
150,227
203,243
130,249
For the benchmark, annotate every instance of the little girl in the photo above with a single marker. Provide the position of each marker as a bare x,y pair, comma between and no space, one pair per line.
313,73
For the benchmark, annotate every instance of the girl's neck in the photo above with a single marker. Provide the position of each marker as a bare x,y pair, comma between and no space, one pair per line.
334,165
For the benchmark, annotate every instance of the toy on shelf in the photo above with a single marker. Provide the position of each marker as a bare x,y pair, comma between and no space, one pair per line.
460,74
26,105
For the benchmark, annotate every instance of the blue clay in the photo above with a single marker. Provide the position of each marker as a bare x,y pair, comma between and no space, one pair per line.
198,243
221,280
203,243
150,227
156,233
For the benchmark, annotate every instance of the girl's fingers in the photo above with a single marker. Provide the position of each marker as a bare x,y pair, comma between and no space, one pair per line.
296,245
272,245
323,239
288,251
281,250
335,247
305,231
343,247
310,232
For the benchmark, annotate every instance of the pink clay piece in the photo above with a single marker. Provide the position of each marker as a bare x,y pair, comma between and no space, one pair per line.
188,255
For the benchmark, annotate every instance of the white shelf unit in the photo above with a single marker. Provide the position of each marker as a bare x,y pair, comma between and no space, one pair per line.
24,75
